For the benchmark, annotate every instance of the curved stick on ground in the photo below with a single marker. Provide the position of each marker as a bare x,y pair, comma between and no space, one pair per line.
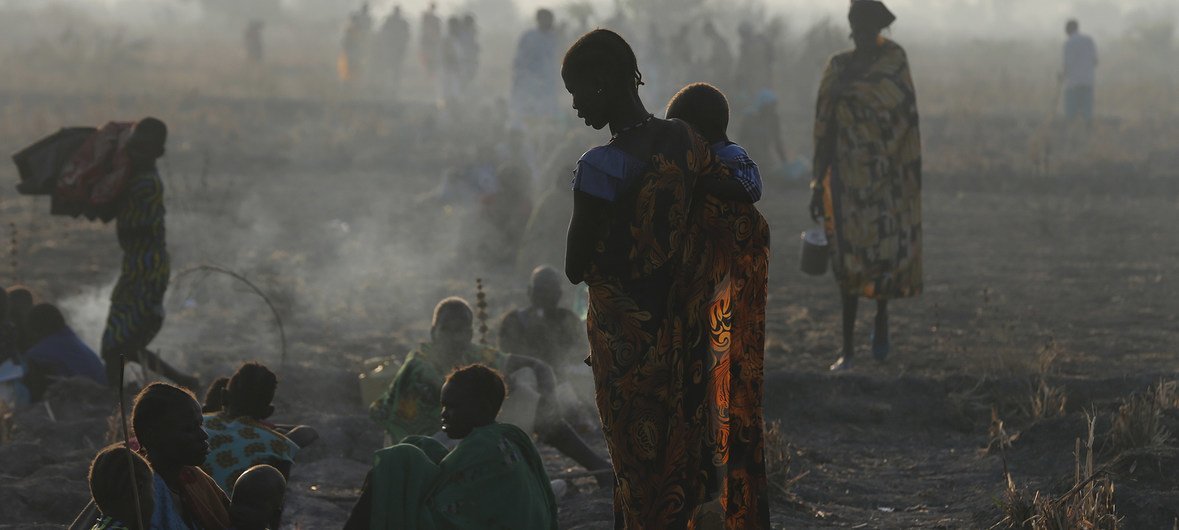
282,334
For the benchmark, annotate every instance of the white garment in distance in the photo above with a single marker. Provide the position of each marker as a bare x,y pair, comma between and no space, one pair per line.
1080,61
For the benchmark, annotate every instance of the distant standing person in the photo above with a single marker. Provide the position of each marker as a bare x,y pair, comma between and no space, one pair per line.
137,303
534,72
394,45
430,43
867,174
253,41
355,44
1079,73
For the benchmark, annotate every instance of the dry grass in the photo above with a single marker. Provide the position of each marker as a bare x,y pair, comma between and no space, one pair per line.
1138,422
1089,504
779,455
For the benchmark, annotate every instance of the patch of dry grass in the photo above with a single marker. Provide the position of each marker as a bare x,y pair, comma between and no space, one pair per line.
1088,504
779,455
1138,422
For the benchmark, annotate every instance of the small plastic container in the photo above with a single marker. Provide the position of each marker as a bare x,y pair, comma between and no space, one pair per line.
814,254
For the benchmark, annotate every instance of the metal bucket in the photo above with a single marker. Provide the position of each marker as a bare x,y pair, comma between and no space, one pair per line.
814,252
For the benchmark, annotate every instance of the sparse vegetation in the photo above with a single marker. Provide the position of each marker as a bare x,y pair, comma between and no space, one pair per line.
1138,422
1089,504
779,457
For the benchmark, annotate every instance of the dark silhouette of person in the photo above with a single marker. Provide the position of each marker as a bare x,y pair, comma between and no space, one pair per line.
137,302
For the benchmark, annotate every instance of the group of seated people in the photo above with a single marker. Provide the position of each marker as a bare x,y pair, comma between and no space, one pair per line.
222,465
217,466
36,340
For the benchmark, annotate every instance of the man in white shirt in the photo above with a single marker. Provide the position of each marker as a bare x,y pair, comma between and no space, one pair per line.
1079,74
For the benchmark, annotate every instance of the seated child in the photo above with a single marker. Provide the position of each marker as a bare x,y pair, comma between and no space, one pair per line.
258,499
167,422
113,491
494,478
56,352
705,108
239,437
215,396
410,406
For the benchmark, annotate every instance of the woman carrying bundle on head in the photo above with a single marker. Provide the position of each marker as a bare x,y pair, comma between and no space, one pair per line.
677,286
867,174
137,303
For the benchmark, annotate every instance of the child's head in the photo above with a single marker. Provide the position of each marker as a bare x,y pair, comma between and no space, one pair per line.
471,397
110,478
258,499
705,108
250,391
215,395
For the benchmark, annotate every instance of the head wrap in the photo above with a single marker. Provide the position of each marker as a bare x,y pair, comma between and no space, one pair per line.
869,15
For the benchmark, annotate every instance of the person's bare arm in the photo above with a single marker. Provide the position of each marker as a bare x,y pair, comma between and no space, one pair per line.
589,213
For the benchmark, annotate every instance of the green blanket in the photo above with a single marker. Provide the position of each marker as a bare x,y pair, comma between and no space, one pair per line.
494,479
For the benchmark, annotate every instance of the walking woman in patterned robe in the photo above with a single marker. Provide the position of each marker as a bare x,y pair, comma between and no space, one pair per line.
677,292
867,180
137,303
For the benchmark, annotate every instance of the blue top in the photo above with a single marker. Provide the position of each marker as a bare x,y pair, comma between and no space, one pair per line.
167,514
605,171
741,167
63,354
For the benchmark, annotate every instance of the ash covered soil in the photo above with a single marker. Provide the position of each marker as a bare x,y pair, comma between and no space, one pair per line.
1078,267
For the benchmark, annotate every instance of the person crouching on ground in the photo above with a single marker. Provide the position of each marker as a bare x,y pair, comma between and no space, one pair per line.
706,109
239,437
116,475
167,422
410,406
494,478
56,352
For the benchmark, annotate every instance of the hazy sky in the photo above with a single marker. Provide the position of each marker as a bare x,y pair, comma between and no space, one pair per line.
999,18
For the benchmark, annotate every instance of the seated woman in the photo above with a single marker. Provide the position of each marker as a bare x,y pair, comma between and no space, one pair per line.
56,352
167,422
113,487
239,437
494,478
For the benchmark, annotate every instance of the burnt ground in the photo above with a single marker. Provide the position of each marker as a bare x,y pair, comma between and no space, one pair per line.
1079,267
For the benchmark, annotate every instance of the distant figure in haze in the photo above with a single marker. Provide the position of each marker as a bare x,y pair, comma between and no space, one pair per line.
253,41
1079,74
544,329
355,44
755,64
677,289
57,352
410,406
493,478
137,302
718,67
395,36
453,62
761,129
867,174
706,109
430,41
468,42
534,72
